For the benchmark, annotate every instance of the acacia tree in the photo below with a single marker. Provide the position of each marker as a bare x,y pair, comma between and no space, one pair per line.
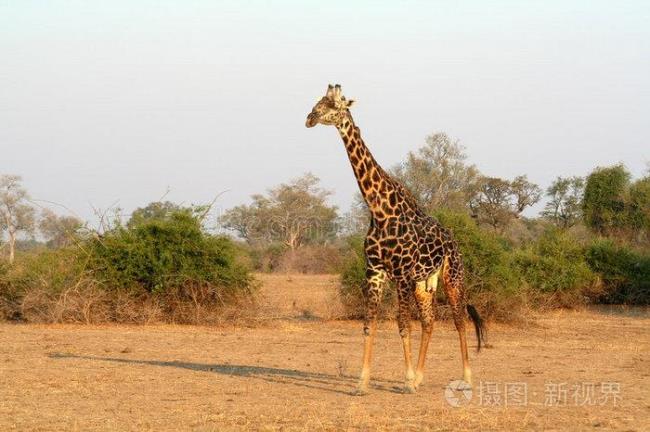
438,174
58,230
497,201
292,213
492,204
565,199
525,194
15,214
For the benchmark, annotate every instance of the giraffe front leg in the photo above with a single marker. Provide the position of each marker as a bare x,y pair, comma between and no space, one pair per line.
404,324
372,295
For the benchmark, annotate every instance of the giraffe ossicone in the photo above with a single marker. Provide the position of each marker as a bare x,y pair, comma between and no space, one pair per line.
403,244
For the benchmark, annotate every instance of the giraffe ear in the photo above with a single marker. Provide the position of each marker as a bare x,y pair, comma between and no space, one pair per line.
349,103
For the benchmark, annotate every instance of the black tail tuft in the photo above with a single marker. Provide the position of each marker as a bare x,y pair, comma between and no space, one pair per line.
479,325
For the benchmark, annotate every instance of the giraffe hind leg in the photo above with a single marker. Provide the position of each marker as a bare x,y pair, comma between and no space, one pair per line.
424,296
454,290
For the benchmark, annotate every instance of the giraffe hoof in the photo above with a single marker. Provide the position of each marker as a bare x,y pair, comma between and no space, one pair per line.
409,388
360,391
418,380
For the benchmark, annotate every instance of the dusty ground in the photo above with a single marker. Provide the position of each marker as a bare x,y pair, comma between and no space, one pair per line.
296,372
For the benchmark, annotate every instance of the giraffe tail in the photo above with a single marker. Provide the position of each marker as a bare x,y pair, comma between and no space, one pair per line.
479,326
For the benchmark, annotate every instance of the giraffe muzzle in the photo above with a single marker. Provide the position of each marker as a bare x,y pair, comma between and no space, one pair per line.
312,120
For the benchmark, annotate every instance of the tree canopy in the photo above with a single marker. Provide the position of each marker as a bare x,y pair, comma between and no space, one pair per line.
605,199
292,213
438,174
58,231
564,207
497,201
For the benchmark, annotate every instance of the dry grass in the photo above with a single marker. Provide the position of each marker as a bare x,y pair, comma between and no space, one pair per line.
89,304
297,372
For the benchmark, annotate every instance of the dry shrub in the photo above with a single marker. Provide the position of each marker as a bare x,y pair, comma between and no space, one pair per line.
191,303
333,307
197,304
83,303
6,310
311,259
307,259
142,308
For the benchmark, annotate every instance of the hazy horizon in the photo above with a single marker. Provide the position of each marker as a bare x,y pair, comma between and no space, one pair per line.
119,102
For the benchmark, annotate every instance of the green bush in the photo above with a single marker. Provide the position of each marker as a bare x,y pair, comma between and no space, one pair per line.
605,201
492,283
555,270
353,281
37,277
53,270
624,272
166,252
501,282
162,268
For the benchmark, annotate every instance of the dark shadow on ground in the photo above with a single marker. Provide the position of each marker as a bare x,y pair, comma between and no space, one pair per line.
316,380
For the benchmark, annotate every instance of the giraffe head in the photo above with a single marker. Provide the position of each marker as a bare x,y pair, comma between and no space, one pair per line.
332,109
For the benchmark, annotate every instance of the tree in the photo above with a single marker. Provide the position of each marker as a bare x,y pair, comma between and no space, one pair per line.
497,201
438,175
564,207
293,213
492,203
357,219
58,231
525,194
15,214
604,200
153,211
639,206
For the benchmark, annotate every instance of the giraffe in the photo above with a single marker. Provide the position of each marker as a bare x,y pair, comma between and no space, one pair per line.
404,245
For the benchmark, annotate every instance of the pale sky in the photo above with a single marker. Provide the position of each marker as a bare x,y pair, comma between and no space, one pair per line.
117,101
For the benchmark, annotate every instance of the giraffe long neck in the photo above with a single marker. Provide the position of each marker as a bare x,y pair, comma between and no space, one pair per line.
374,183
